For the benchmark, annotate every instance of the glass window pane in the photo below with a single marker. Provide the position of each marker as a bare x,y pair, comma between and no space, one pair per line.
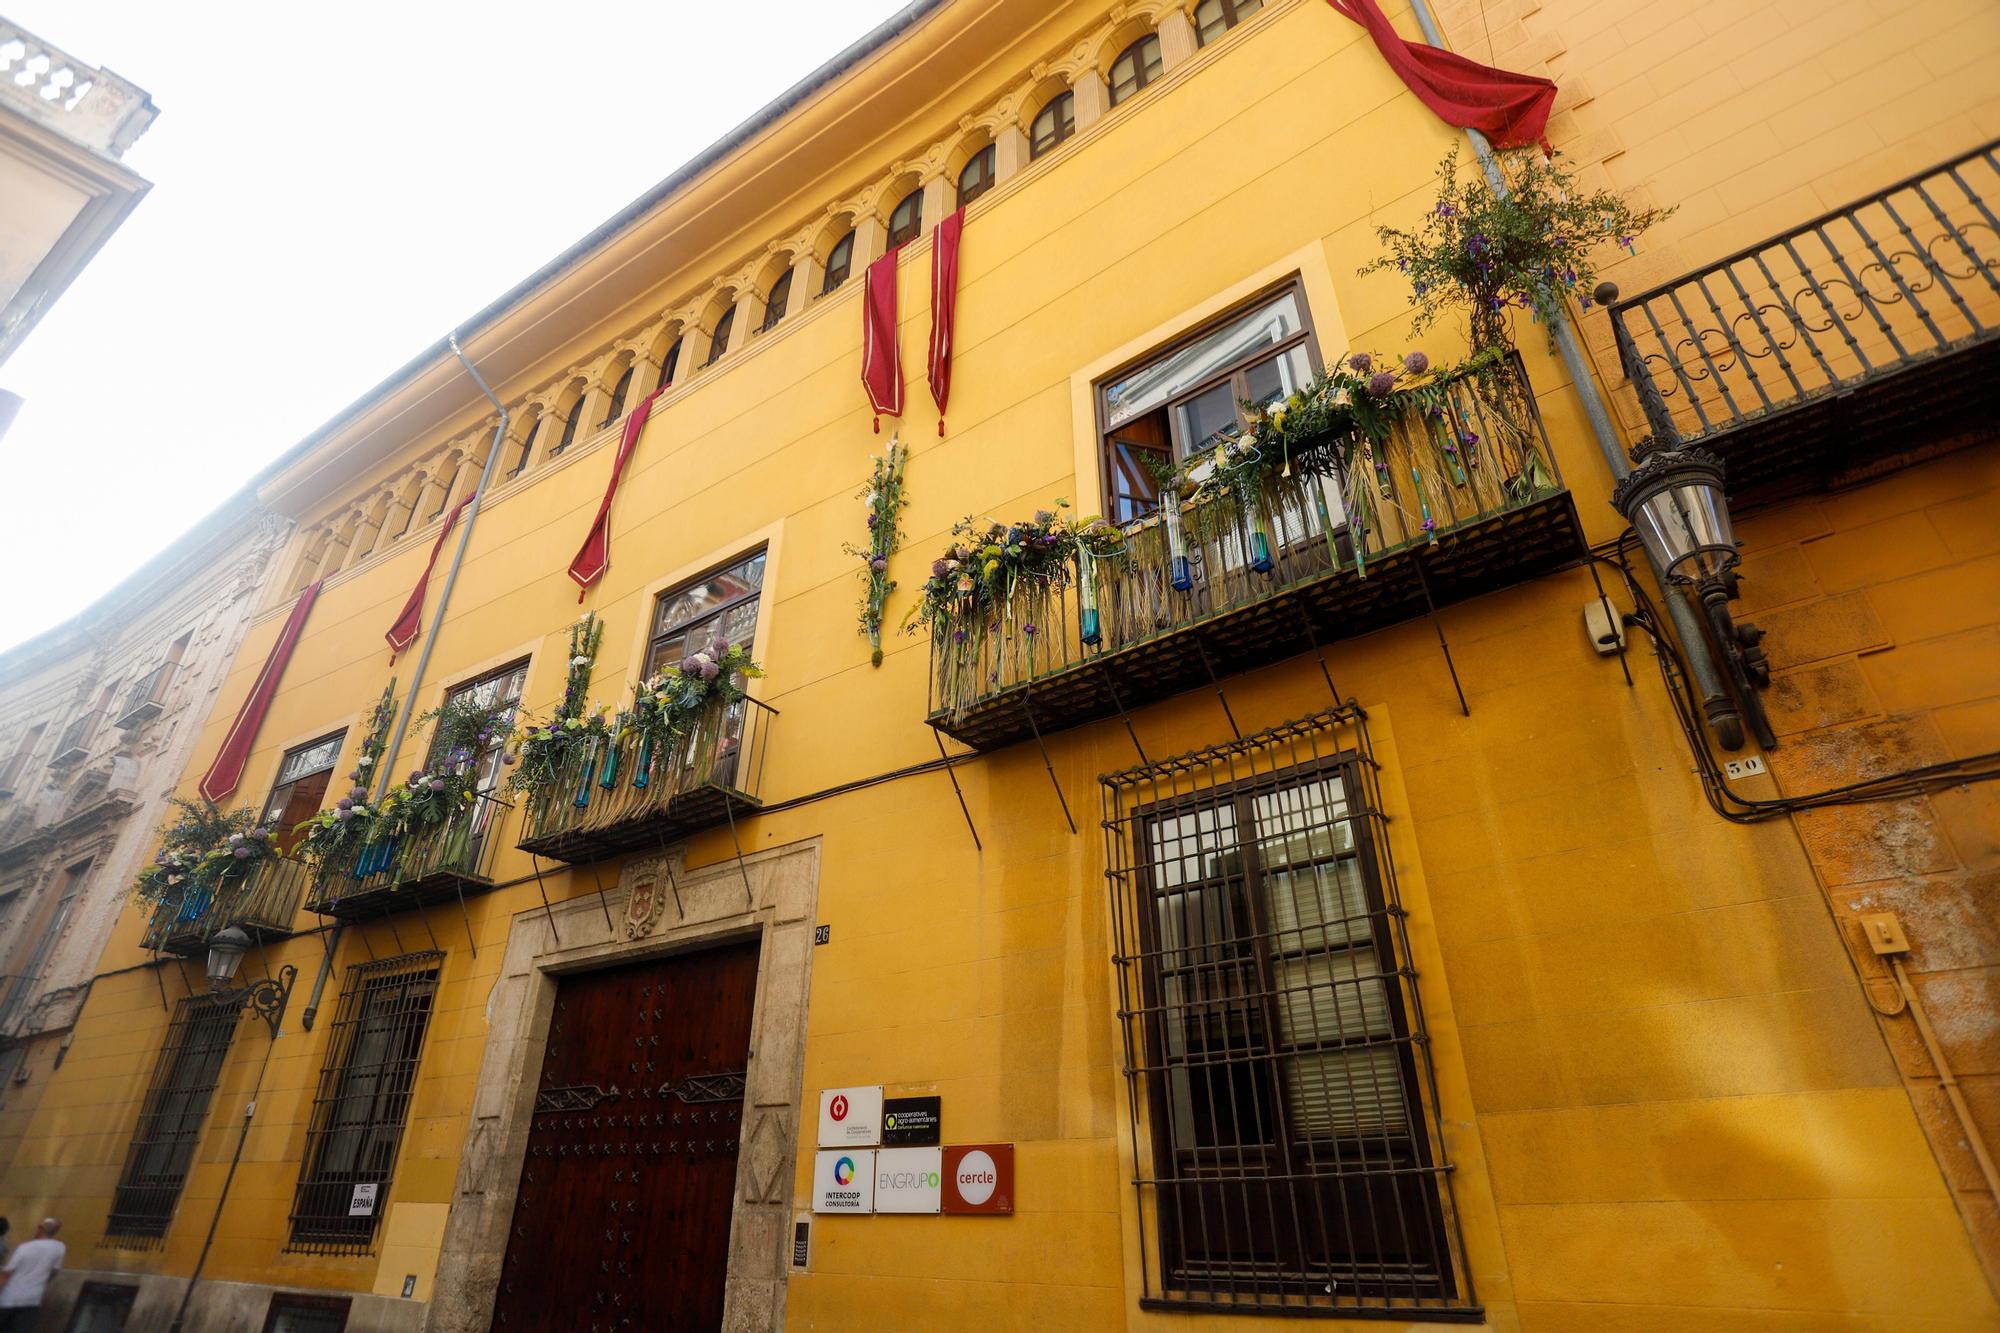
1330,997
1280,377
1207,419
697,600
838,261
1178,371
1317,907
310,758
1346,1094
1056,122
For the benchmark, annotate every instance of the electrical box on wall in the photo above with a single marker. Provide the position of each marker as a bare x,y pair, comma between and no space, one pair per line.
1604,626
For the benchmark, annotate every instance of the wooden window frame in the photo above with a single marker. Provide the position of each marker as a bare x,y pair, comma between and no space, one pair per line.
844,247
987,158
655,636
1235,371
618,392
1141,79
1230,18
904,233
718,338
777,301
1063,126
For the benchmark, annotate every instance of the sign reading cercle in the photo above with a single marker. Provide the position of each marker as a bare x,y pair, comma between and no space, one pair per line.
979,1178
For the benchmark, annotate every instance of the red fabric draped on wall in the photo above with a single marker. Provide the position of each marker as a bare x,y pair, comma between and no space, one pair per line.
881,357
944,305
1510,109
227,770
404,632
594,556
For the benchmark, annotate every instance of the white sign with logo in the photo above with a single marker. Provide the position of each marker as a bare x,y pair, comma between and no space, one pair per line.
844,1181
908,1180
363,1202
850,1117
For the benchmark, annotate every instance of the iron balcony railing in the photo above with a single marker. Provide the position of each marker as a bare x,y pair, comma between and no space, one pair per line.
75,741
1482,455
1907,276
416,869
625,793
148,696
263,902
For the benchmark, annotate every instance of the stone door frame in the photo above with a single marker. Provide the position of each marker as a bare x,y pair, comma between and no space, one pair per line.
590,932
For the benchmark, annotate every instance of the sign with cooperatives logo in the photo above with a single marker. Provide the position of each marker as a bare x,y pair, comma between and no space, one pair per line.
850,1117
844,1181
908,1180
912,1121
979,1178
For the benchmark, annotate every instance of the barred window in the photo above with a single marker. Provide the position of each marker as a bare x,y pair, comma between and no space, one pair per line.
362,1103
1284,1111
171,1117
302,1312
102,1307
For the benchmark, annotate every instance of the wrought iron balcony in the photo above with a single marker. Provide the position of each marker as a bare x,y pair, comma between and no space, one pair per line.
263,902
74,744
623,795
1854,342
440,864
147,698
1439,525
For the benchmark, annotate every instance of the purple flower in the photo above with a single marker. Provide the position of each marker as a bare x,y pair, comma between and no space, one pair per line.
1029,629
718,646
709,671
1381,383
509,757
241,853
343,815
359,793
344,803
871,520
1429,524
260,833
1477,245
1044,517
435,784
1446,210
1416,363
355,776
1469,438
958,636
416,776
937,569
878,564
1361,363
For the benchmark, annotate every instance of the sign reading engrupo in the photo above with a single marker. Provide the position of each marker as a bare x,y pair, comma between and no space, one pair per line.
907,1180
850,1117
979,1178
844,1181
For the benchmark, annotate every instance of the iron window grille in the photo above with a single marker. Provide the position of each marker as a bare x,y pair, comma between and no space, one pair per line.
171,1118
102,1307
363,1102
1284,1108
301,1312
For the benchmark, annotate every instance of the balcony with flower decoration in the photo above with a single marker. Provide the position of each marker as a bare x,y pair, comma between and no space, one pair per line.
1373,495
1860,340
415,862
216,869
686,755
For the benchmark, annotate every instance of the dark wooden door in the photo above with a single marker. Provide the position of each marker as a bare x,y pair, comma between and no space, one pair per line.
623,1216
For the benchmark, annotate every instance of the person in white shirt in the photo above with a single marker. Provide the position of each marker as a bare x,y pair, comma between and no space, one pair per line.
25,1278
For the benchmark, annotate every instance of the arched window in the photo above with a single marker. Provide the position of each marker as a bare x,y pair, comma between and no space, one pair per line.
977,177
908,219
672,363
1056,122
839,261
1135,67
775,303
1212,18
718,342
618,397
570,423
521,463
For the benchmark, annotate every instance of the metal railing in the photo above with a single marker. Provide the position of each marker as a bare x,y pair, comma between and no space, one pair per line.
147,697
1482,452
264,902
627,782
1907,274
458,850
75,741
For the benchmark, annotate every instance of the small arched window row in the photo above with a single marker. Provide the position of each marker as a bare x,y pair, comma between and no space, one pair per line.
718,342
1212,18
672,362
776,303
1136,66
1053,124
618,392
839,263
571,420
908,219
977,176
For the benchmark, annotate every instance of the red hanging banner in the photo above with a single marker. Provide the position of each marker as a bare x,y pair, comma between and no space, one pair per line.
594,556
404,632
1510,109
227,770
881,358
944,305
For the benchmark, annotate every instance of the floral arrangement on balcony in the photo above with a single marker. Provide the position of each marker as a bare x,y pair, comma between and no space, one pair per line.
884,497
668,708
203,850
464,728
547,746
1528,246
336,836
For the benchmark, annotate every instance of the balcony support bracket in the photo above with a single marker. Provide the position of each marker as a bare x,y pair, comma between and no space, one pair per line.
1319,652
466,917
1430,609
603,903
1209,667
749,898
1028,710
554,934
1111,688
951,771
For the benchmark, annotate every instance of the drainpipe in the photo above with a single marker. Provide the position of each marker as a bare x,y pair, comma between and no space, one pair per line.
388,767
1716,701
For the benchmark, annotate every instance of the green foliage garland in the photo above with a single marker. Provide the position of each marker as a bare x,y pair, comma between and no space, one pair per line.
334,836
205,849
884,497
1484,251
547,746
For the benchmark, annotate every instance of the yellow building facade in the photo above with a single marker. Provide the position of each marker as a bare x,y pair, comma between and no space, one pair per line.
1359,940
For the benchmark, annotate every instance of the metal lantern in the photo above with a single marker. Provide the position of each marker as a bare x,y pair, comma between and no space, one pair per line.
225,954
1674,500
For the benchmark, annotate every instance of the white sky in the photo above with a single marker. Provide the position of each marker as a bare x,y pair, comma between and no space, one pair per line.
334,187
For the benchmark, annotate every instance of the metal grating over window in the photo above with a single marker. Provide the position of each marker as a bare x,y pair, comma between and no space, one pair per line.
362,1103
170,1119
1283,1102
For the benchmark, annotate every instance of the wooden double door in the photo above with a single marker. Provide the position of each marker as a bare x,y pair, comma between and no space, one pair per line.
622,1221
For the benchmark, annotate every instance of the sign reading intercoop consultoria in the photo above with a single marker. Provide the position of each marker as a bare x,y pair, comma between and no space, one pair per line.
844,1181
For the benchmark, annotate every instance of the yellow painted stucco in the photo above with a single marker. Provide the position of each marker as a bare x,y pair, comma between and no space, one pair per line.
1668,1103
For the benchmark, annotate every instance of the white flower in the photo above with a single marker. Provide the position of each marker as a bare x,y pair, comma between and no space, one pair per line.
365,761
580,659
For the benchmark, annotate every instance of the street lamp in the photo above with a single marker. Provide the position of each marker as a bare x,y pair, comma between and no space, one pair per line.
1674,500
267,997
